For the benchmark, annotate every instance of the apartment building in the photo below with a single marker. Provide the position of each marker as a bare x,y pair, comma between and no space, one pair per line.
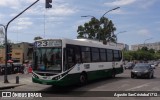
155,46
121,46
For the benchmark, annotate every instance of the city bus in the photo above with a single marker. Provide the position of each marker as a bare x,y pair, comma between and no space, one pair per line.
62,62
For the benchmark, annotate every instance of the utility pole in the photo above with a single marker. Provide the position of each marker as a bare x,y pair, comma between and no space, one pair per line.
146,40
6,44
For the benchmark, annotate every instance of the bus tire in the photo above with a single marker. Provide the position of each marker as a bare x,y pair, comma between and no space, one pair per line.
83,78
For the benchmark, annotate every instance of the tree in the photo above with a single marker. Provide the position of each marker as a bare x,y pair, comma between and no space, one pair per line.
102,29
37,38
151,51
144,49
127,55
141,54
2,44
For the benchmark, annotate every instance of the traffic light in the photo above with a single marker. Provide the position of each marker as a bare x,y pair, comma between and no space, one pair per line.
48,4
9,52
9,47
9,56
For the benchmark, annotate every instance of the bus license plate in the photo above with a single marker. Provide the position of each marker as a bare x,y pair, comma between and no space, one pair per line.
46,78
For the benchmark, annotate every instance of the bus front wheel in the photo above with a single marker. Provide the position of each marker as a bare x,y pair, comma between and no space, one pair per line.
83,79
113,73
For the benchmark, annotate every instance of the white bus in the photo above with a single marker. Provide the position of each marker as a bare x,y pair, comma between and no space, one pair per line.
62,62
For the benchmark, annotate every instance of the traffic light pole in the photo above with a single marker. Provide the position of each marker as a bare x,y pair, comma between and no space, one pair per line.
6,44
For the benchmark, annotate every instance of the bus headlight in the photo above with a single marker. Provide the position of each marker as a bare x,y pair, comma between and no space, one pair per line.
57,77
34,76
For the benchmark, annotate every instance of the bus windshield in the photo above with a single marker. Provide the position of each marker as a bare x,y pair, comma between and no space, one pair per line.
49,59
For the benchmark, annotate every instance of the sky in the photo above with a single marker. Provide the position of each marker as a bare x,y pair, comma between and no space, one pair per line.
139,18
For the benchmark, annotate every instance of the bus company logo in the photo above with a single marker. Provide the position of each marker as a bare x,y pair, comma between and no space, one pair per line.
6,94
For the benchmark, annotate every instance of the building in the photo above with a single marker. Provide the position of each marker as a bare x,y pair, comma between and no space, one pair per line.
155,46
20,52
122,46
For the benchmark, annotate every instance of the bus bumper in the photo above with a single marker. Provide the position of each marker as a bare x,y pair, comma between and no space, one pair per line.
48,82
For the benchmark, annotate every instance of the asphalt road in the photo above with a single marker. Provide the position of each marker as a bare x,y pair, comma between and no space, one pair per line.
122,82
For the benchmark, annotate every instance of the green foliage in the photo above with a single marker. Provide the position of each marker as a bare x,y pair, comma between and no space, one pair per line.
151,50
102,29
37,38
141,54
3,43
144,49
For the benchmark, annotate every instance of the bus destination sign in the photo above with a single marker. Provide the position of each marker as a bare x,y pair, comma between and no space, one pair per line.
48,43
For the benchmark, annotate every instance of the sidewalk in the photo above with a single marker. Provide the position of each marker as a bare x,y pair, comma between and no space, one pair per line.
23,80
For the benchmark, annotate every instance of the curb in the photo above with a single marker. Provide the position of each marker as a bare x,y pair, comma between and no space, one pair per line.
10,86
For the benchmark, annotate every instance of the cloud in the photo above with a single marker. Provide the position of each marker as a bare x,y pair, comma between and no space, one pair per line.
118,12
146,3
120,2
1,16
10,3
22,23
56,10
144,32
61,10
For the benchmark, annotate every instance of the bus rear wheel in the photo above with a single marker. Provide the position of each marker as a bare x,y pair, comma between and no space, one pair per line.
83,79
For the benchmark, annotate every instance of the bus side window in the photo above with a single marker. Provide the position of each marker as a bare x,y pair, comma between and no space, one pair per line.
86,54
77,55
70,57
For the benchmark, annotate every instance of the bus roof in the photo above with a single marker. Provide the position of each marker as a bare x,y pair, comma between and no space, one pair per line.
87,42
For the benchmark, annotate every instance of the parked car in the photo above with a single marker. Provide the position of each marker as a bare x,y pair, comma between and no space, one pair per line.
142,70
2,69
18,68
129,65
156,63
152,65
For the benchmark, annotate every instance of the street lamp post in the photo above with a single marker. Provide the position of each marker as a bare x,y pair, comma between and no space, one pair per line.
101,17
6,44
88,16
147,40
119,33
110,11
6,51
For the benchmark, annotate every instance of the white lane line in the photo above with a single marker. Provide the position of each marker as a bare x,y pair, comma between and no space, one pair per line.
140,86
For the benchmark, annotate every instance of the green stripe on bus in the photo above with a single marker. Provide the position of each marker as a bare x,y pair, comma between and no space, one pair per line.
71,79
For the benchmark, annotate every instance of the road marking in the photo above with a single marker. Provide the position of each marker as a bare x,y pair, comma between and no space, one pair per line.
140,86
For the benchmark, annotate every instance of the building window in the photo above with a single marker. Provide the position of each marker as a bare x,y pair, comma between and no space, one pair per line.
17,53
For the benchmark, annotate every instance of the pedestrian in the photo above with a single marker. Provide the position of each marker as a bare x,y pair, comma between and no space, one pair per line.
26,67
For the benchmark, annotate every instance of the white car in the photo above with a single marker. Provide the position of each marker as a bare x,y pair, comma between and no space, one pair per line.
152,65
